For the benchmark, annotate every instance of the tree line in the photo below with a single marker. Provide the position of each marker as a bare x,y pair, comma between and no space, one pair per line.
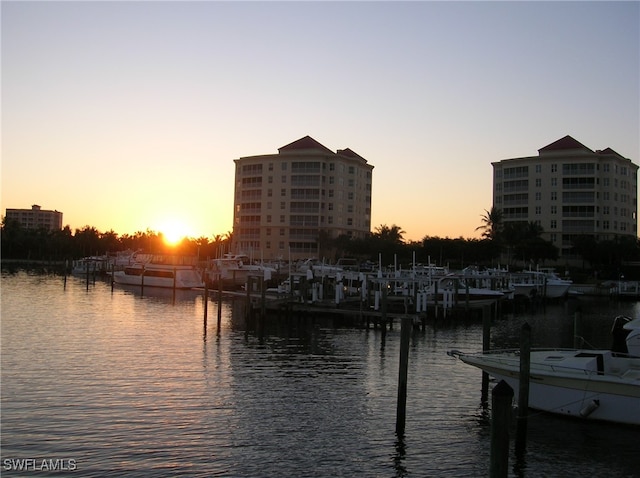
502,244
59,245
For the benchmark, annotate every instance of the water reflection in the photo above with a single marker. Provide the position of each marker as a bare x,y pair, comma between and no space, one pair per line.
398,458
143,386
162,294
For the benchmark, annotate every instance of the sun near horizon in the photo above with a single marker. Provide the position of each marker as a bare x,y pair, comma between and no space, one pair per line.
173,231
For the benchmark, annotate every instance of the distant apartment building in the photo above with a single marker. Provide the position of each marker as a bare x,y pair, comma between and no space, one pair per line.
569,190
287,204
35,218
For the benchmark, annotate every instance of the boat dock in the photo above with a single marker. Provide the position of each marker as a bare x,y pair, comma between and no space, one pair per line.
368,301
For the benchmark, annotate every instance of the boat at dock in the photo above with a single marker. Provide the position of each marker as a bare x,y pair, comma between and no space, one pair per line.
233,270
103,264
90,265
543,282
589,384
161,272
462,288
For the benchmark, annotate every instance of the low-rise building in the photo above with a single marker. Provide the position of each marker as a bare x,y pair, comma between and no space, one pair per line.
35,218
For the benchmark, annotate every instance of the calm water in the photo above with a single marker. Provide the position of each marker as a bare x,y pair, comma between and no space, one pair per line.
115,384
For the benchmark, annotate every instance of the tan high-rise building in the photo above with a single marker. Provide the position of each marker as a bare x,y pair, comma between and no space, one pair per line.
287,205
569,190
36,218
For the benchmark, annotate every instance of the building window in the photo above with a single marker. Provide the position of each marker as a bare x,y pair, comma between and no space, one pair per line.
554,168
282,231
554,209
538,196
554,196
538,210
284,179
270,179
554,224
538,182
554,181
282,219
538,168
283,205
283,192
283,166
268,243
268,219
269,192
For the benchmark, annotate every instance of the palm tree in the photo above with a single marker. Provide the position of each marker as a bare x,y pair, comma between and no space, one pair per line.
392,235
491,224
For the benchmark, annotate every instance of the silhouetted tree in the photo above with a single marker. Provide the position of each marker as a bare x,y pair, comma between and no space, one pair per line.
491,224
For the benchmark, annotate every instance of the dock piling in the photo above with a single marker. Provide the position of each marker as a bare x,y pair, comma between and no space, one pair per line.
219,302
401,412
523,392
486,345
501,398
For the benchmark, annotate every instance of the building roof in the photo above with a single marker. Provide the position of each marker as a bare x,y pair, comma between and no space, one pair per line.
610,151
564,144
307,143
350,154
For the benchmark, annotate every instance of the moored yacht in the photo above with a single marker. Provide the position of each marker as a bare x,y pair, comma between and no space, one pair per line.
583,383
166,272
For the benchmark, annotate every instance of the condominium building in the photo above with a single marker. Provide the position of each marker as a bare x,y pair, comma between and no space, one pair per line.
35,218
569,190
288,205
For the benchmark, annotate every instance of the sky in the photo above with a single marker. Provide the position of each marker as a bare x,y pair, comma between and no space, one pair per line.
127,116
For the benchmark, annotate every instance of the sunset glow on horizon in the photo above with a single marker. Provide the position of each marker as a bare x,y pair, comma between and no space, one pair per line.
127,116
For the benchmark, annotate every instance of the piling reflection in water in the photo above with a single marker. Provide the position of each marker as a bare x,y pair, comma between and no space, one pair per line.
130,385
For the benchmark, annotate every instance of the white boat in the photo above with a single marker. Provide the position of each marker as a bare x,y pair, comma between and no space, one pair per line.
234,269
455,288
589,384
544,282
319,269
90,265
160,274
104,264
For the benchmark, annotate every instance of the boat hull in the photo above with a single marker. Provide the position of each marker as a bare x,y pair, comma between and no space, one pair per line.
582,393
177,278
